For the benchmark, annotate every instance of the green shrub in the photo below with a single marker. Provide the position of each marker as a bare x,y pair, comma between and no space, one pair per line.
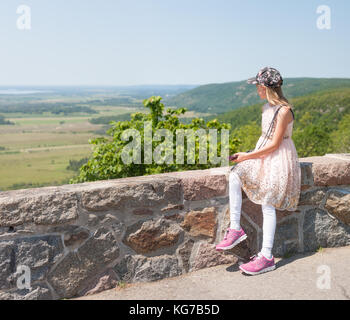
106,161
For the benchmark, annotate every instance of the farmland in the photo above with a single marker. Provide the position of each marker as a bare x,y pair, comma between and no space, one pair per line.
36,149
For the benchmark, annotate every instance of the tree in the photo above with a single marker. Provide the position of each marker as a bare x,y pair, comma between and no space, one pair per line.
106,160
312,139
248,136
341,137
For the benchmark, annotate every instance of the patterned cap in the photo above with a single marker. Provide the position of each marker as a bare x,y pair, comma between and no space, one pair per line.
268,77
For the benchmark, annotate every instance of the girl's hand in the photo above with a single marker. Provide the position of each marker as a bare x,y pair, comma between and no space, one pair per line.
241,156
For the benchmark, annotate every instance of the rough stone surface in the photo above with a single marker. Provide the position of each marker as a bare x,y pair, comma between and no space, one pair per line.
321,230
338,204
107,220
204,187
304,188
171,207
114,223
201,223
156,193
185,253
39,253
138,268
208,256
99,250
69,276
7,264
18,231
255,213
73,273
106,281
329,171
286,239
312,197
307,177
36,292
44,209
75,236
153,235
142,211
174,217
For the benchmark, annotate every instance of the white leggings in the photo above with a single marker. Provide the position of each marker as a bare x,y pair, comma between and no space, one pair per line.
269,213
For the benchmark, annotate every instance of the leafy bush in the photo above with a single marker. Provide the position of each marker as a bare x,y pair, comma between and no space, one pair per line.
312,139
341,137
106,160
248,135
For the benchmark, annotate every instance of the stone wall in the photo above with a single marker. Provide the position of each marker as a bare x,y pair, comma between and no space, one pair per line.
83,238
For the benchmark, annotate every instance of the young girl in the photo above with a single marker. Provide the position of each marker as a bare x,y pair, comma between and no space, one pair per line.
269,176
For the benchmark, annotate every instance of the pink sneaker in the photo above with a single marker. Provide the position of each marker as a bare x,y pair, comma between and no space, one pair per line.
232,238
258,264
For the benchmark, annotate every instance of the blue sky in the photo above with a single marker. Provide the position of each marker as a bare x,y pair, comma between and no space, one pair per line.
130,42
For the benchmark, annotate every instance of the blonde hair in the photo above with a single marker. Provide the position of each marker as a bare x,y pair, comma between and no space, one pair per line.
275,97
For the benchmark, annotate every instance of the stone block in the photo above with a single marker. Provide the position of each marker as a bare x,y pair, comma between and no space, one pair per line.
312,197
108,280
38,253
75,236
208,256
321,230
255,213
152,235
73,273
41,209
329,170
38,291
124,196
338,204
138,268
204,187
307,177
201,223
286,238
185,253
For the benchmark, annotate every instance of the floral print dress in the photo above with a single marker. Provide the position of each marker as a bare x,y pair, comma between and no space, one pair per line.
273,179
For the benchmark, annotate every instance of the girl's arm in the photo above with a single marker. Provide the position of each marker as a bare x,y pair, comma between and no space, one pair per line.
283,118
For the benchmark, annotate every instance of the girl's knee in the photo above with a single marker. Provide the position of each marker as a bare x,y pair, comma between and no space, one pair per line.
234,175
234,178
268,209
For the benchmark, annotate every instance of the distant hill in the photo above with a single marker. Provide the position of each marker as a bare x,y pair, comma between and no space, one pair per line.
325,106
223,97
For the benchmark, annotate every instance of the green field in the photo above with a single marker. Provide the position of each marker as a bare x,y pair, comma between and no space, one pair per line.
39,168
36,150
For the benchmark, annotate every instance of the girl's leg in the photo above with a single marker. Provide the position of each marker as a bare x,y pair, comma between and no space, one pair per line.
235,195
269,227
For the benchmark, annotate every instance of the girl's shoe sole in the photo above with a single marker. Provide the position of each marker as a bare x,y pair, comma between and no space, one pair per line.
233,244
262,271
